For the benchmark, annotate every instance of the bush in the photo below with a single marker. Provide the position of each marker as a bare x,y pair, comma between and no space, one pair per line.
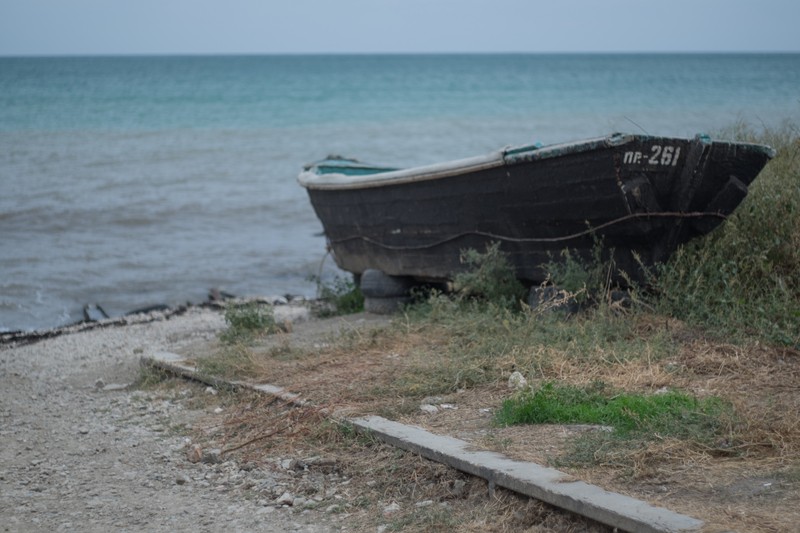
586,281
489,277
246,321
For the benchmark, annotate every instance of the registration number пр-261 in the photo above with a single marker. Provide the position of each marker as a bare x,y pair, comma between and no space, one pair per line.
659,155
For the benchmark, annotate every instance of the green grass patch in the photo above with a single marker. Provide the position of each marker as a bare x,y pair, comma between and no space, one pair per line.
639,423
671,414
636,421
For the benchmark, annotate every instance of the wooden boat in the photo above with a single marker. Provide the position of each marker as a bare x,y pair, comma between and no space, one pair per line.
641,196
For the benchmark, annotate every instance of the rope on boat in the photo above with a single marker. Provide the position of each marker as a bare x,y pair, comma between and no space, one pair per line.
572,236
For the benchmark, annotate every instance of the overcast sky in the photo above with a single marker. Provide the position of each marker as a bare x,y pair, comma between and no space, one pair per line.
55,27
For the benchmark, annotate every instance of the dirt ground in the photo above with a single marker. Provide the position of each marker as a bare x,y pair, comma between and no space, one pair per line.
752,489
91,442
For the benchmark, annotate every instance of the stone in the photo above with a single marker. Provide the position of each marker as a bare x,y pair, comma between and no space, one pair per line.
428,408
391,509
517,381
458,488
194,454
212,456
299,501
433,400
285,499
111,387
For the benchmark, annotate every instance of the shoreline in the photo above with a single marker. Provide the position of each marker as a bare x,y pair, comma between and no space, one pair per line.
217,301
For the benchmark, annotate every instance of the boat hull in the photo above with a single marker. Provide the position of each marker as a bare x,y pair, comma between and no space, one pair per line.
639,197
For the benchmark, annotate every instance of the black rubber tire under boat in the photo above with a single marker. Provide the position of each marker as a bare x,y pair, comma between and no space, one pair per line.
376,284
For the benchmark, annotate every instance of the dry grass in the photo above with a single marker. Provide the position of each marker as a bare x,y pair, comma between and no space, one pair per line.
739,483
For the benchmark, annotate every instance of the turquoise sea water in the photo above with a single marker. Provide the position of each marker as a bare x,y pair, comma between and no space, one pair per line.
133,181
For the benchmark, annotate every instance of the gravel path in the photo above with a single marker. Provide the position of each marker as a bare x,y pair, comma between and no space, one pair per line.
81,448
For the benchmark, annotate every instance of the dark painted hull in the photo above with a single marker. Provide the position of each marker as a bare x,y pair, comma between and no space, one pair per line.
642,195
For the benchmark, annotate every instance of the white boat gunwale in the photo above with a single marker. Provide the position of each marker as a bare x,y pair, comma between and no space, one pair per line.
508,155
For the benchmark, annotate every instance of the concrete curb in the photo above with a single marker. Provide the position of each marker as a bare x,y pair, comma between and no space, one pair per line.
533,480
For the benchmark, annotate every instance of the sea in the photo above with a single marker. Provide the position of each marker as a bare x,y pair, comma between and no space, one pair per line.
128,182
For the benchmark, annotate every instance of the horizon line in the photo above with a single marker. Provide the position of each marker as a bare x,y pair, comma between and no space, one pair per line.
396,53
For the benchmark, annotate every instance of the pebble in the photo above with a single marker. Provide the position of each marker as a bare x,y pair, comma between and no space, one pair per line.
298,501
391,509
194,454
212,456
517,381
285,499
112,387
458,488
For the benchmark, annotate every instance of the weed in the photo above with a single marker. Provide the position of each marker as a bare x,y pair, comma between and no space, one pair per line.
151,376
489,277
584,279
342,296
230,361
247,321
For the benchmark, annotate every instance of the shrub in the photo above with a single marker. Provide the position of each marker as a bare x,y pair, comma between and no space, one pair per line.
585,281
246,321
744,277
489,277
